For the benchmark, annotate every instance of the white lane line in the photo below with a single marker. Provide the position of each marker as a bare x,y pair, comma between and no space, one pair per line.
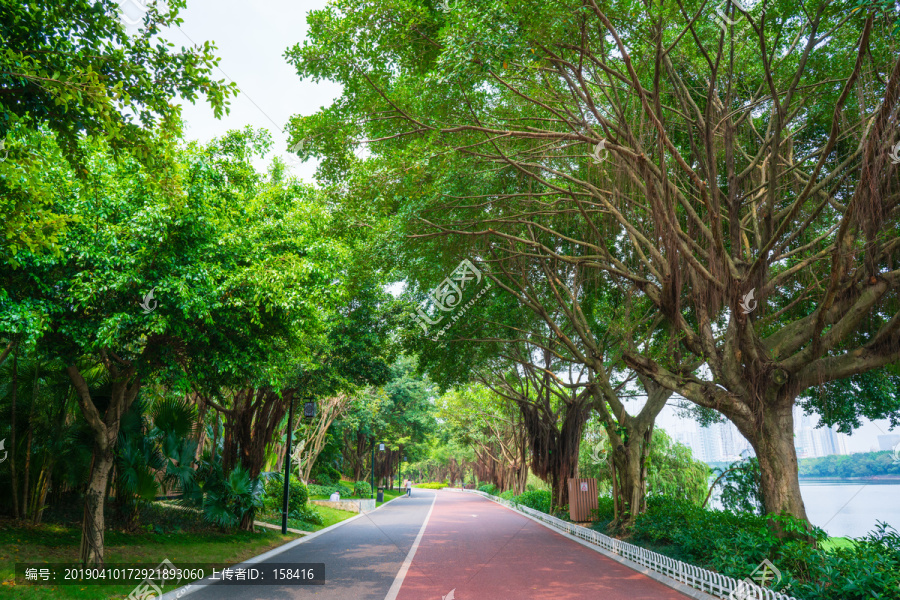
401,574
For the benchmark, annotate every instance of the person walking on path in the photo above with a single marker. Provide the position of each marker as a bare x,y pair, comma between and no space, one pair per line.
408,487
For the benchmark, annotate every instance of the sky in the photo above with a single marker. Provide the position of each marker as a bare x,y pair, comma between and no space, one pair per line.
251,37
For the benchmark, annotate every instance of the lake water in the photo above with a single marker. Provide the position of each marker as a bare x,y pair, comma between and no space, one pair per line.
851,508
847,509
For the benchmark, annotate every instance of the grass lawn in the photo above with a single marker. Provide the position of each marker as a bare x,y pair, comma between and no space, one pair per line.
837,542
58,543
329,515
389,494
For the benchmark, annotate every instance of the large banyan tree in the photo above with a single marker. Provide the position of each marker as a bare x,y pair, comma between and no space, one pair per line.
554,411
739,175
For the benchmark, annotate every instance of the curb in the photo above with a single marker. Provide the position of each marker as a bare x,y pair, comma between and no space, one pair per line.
278,527
192,587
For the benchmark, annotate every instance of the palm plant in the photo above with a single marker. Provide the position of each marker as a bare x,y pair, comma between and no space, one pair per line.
174,421
155,452
230,500
137,461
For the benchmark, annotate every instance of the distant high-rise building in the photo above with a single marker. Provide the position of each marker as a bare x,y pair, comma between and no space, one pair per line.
719,442
709,447
813,442
733,444
889,441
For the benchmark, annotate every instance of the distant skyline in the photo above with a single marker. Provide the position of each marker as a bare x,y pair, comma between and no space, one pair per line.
864,439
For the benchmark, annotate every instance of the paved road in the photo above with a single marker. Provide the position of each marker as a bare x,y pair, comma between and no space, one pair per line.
471,546
483,551
361,558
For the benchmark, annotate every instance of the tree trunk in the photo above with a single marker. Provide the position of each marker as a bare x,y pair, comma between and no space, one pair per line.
329,409
773,442
92,527
9,348
280,451
559,490
360,456
215,442
41,492
522,479
628,462
256,424
26,505
630,437
105,430
12,445
27,482
203,407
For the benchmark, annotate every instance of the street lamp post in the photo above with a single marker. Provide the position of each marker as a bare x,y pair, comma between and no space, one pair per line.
287,469
380,449
400,473
309,411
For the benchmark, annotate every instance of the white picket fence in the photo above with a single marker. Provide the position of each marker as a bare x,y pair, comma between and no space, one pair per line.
704,580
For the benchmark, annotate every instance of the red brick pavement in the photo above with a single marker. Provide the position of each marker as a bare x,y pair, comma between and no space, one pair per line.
483,551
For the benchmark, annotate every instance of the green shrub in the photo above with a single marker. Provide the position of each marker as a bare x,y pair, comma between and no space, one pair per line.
325,473
297,495
605,509
742,487
226,499
431,486
488,488
868,569
325,479
362,489
328,490
508,495
274,495
307,514
735,543
562,513
318,490
536,499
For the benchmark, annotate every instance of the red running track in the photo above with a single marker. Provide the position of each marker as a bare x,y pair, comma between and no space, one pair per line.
483,551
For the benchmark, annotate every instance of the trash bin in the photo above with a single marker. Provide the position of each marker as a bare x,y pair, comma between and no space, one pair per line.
380,495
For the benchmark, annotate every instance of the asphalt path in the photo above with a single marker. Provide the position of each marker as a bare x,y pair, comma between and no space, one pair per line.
361,557
480,550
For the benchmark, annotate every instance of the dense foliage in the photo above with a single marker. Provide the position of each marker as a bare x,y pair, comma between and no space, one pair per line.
740,487
298,494
165,305
536,499
735,543
862,464
325,491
